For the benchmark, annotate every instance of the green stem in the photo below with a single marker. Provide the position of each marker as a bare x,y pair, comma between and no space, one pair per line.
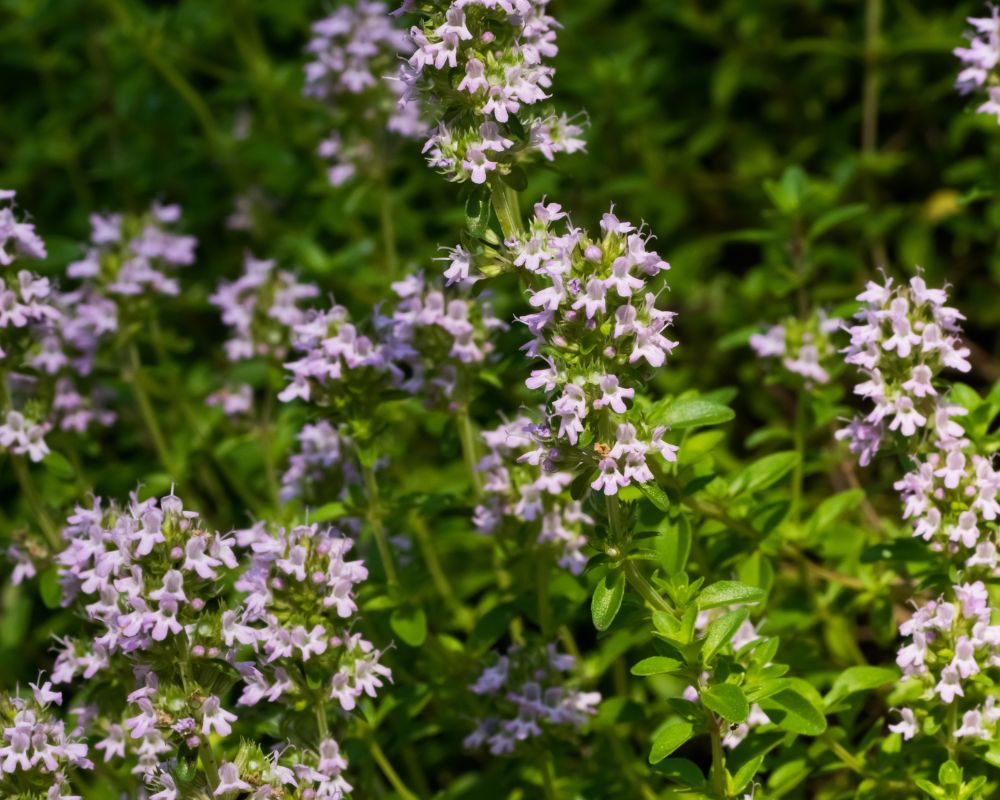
321,723
800,466
375,521
390,773
134,377
267,444
388,226
209,762
549,778
470,452
507,208
718,762
849,760
542,571
30,493
638,581
439,577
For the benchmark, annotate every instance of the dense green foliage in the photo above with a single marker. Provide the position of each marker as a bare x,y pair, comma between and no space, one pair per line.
782,151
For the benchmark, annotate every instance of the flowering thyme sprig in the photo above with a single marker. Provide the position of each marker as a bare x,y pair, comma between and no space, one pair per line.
158,589
905,338
355,71
135,256
528,692
979,61
530,496
481,67
439,338
805,347
38,753
599,331
261,308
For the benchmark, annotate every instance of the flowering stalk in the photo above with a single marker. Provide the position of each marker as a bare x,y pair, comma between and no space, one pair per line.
597,330
904,338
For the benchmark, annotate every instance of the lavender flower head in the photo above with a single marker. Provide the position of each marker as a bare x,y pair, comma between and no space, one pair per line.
804,347
519,494
599,333
339,367
155,585
481,66
526,693
438,338
979,61
322,468
133,256
18,238
38,752
261,308
903,338
355,71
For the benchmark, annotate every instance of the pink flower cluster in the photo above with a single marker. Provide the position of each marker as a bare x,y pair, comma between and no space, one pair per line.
528,495
154,582
281,563
48,342
599,331
904,337
805,347
336,359
355,55
130,257
487,57
37,752
528,693
261,308
979,61
324,462
437,338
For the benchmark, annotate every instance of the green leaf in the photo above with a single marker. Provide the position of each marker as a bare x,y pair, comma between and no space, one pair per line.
727,593
934,791
477,213
674,546
837,216
859,679
491,626
670,735
607,600
720,631
745,773
59,465
656,665
727,700
694,412
655,495
949,774
49,588
516,178
409,623
682,771
831,508
327,512
796,708
765,472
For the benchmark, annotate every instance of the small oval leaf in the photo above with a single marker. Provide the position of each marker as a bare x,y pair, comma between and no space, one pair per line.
607,600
